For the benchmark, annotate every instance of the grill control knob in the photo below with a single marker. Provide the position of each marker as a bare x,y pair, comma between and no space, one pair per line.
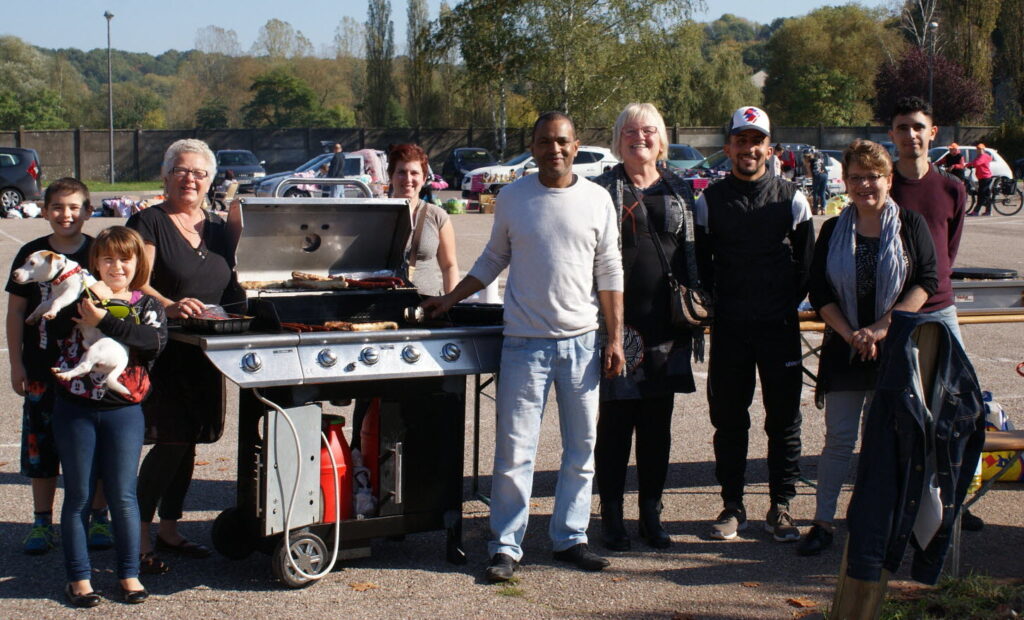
251,362
326,358
451,352
410,354
369,356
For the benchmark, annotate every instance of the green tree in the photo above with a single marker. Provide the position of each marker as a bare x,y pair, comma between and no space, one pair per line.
278,39
380,52
279,100
966,30
1009,68
40,109
419,73
213,114
832,52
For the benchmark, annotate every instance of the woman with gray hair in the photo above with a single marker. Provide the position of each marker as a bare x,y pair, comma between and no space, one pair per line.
655,209
192,261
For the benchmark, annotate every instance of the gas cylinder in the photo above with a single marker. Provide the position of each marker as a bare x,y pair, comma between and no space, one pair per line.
334,428
369,442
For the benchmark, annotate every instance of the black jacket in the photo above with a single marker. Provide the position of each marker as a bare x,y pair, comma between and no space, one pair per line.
906,434
836,371
755,240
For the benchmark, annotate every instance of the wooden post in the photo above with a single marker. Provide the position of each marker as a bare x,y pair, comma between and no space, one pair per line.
469,136
19,138
76,154
362,138
136,158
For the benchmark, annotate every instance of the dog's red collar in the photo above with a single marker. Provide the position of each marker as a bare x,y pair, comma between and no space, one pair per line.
65,275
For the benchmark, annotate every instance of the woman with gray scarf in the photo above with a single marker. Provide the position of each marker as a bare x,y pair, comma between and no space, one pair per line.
872,259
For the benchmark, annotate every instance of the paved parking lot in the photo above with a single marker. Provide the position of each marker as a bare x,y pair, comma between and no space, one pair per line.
750,577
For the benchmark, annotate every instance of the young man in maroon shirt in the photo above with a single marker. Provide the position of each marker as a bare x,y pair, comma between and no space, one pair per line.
941,199
938,196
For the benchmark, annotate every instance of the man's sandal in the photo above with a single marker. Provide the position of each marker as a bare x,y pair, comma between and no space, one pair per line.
185,548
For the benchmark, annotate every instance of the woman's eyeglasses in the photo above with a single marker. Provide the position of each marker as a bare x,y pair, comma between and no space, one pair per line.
873,179
650,130
197,174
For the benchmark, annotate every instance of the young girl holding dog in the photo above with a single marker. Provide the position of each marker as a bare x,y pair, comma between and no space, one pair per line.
99,430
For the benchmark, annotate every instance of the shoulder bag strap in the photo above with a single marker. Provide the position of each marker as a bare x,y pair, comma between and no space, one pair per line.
653,235
689,244
414,245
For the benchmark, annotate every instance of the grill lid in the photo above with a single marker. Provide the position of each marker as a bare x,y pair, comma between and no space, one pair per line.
354,237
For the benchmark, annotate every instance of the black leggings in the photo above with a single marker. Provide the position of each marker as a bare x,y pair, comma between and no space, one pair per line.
164,478
651,418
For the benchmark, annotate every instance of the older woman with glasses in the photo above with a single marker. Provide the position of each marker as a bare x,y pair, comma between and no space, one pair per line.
654,206
872,259
192,258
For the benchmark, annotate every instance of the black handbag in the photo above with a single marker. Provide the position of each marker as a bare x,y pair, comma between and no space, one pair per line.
689,306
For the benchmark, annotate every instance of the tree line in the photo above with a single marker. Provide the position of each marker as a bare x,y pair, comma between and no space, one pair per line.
497,63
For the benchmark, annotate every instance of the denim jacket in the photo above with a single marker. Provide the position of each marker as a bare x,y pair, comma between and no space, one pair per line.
901,435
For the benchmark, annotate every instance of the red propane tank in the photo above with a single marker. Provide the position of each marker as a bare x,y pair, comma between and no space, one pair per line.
334,428
369,442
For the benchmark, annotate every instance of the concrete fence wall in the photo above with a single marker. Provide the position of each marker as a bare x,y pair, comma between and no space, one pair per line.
84,153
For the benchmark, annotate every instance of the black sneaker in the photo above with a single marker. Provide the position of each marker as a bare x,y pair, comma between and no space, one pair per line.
970,522
583,557
501,568
817,540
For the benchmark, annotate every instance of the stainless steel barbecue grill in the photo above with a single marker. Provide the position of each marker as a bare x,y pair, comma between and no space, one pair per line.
284,358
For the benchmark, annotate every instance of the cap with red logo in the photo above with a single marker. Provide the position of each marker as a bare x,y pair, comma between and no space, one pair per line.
749,117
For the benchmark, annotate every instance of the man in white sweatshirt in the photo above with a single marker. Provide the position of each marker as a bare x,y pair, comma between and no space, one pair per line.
557,234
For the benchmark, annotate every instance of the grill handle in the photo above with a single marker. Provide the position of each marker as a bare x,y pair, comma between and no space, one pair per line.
398,472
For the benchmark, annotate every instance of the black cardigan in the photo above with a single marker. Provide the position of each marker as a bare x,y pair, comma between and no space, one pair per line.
836,371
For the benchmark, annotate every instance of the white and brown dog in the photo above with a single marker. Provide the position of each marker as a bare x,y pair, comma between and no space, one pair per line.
68,281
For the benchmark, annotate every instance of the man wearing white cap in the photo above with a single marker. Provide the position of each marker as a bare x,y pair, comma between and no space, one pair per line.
755,240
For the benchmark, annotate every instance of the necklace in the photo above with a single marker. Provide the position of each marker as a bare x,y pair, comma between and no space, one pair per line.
200,250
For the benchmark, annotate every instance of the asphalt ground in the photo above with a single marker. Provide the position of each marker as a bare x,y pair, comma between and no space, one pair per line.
749,577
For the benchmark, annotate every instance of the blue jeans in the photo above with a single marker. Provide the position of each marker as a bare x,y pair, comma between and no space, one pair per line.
842,423
99,443
948,316
528,368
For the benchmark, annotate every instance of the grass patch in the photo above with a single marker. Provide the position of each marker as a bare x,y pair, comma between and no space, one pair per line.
511,588
131,186
973,596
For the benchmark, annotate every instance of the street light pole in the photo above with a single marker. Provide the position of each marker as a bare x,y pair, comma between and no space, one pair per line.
933,28
110,95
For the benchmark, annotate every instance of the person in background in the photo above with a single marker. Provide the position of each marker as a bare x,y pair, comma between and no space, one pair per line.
556,232
192,258
871,260
775,161
651,205
788,163
755,239
816,167
99,429
983,171
336,169
66,207
953,162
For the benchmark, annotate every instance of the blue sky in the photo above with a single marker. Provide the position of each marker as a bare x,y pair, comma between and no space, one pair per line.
154,27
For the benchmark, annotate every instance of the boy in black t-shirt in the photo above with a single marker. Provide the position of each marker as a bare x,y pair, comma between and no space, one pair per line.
32,353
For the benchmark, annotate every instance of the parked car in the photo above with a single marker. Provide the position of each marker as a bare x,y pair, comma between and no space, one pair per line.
247,169
353,168
462,161
590,161
717,165
683,156
998,166
20,177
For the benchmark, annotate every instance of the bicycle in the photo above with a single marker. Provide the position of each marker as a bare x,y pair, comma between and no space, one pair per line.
1007,196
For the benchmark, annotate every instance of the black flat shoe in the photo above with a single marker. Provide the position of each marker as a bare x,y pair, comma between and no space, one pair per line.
90,599
613,531
817,540
581,555
650,526
134,597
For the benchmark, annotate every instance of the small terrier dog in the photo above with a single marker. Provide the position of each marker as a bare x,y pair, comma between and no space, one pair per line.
68,281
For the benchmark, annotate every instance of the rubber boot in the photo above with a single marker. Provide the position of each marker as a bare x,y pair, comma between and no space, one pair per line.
613,530
650,525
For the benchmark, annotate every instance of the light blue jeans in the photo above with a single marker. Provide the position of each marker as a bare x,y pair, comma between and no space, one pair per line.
948,316
842,423
528,368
